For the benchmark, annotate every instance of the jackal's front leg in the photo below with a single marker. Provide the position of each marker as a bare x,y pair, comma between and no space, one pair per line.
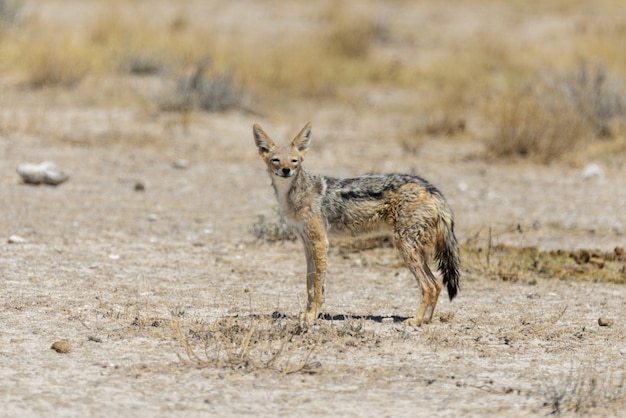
315,249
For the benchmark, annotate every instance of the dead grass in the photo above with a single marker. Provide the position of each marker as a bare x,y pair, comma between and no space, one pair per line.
275,343
272,229
534,121
583,391
483,258
9,12
550,116
349,34
198,90
50,60
481,88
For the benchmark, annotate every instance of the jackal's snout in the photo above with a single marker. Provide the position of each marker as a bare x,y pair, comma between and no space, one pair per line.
285,172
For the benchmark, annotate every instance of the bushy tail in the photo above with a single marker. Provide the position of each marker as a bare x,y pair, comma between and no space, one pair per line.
447,253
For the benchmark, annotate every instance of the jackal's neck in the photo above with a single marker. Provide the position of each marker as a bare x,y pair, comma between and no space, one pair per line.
287,188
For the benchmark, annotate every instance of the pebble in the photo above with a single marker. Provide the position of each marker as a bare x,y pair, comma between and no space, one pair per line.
605,322
61,347
140,186
592,170
16,239
46,172
180,164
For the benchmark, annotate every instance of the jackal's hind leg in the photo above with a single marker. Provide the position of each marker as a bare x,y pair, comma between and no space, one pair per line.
415,261
429,297
433,280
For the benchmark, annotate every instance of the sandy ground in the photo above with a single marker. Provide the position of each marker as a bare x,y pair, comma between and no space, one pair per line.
107,268
135,259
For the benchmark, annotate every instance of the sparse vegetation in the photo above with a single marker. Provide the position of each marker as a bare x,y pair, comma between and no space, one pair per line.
64,63
275,342
539,115
583,391
9,12
197,91
251,344
143,64
548,117
272,230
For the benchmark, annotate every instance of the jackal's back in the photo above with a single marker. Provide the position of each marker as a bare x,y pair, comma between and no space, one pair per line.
372,203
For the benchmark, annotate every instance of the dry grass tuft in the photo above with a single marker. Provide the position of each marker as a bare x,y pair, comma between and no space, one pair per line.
49,61
250,344
582,392
198,91
272,230
535,122
9,12
484,258
548,117
276,342
351,38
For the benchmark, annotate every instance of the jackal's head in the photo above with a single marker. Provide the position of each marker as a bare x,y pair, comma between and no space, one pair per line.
283,162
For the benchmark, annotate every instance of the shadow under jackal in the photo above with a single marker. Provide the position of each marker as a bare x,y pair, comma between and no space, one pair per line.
407,207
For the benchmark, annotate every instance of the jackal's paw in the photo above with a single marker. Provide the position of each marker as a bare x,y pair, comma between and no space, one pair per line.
414,322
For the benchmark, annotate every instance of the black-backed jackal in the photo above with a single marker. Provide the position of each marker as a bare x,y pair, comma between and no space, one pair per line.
409,208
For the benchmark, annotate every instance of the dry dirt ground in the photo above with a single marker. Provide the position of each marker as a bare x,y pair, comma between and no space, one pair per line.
123,274
172,307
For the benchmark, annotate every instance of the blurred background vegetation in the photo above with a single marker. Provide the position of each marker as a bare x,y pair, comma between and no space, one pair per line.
542,81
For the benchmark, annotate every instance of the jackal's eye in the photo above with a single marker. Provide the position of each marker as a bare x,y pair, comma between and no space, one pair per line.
275,161
294,161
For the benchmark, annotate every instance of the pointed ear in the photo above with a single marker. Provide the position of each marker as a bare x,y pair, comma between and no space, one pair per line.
263,142
302,141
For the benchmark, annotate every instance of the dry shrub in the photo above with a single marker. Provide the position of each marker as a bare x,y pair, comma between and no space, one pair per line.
536,122
55,62
276,343
351,34
549,116
272,230
141,63
9,12
249,344
596,95
197,90
583,391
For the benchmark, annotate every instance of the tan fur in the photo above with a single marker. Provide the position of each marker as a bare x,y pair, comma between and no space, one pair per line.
409,208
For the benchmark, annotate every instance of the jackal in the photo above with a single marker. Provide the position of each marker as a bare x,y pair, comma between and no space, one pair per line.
407,207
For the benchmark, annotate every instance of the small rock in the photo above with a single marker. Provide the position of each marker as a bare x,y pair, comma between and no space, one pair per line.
139,186
61,347
605,322
592,170
16,239
180,164
446,317
46,172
